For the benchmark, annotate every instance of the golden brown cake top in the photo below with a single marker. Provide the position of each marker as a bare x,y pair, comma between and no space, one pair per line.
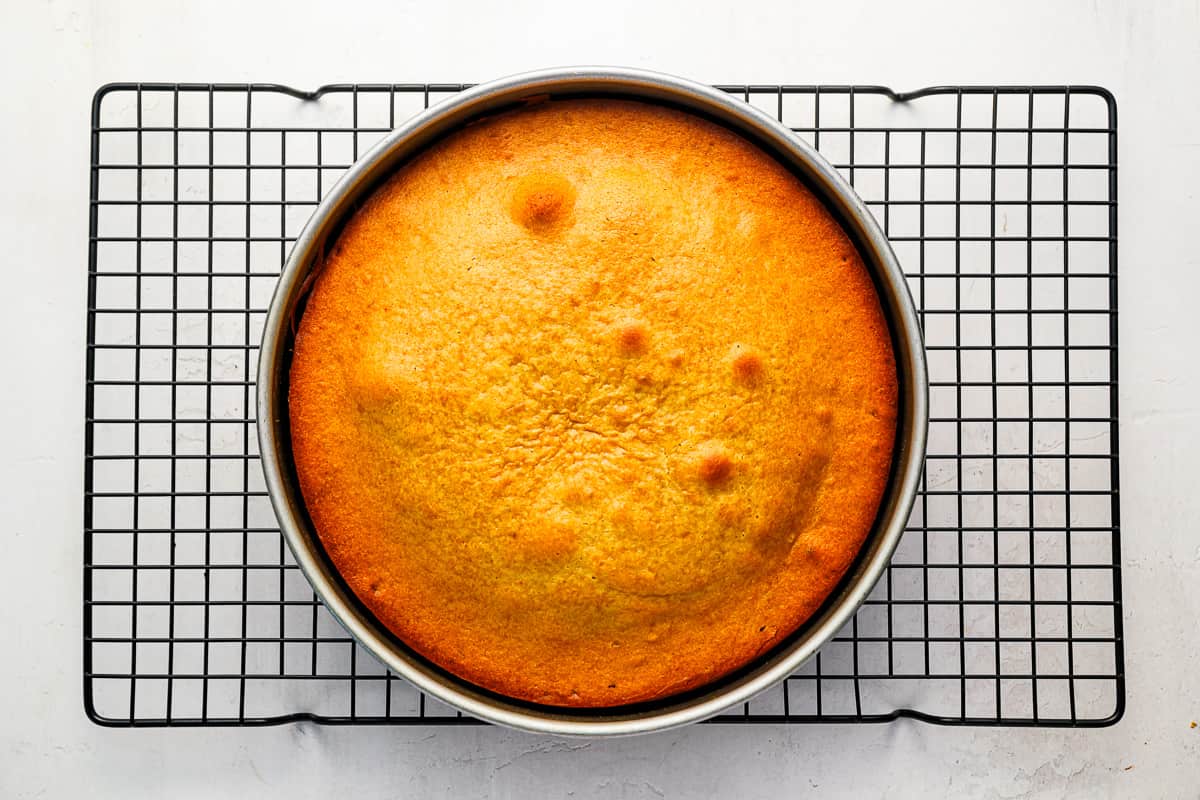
592,402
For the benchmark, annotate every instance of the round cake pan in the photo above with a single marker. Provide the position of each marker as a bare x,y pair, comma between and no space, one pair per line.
490,98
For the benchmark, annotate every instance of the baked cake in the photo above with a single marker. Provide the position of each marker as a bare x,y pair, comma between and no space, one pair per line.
592,402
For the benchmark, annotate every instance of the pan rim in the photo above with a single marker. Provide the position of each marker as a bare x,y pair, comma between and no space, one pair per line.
412,136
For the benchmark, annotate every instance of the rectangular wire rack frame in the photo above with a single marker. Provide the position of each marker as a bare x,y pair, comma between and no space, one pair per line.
1002,604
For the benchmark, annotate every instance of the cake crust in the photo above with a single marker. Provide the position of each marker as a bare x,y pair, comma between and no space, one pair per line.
592,402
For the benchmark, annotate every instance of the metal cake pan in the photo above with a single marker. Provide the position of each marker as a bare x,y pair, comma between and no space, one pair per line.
410,138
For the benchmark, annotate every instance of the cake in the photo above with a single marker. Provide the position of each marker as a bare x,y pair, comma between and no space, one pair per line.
592,402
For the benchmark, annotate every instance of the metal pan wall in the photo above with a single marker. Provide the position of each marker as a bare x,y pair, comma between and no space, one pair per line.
410,138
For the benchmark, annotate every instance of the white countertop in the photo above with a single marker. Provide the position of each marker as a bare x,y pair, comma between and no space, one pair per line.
55,55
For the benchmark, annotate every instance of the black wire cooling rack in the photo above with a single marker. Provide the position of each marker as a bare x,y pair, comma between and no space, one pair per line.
1002,604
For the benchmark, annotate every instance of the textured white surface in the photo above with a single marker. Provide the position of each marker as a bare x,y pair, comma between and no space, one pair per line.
54,56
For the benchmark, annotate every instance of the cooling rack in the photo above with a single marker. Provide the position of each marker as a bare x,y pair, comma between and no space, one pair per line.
1003,601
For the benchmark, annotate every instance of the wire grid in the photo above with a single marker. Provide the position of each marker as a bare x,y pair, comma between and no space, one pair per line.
1002,604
